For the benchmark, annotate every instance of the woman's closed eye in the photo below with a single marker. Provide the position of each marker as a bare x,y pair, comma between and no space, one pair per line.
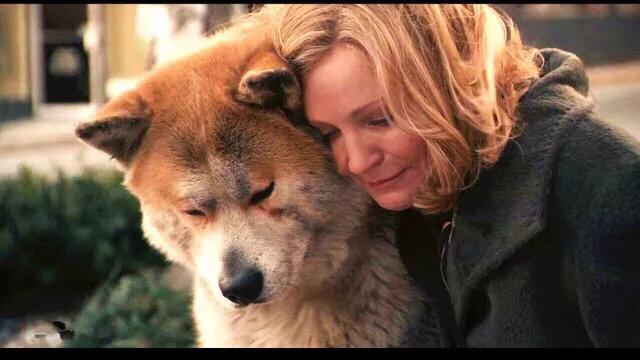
378,122
330,135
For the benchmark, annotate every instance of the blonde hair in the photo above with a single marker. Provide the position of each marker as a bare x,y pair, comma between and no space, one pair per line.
450,74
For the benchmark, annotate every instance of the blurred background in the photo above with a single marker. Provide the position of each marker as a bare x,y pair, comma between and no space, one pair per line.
74,270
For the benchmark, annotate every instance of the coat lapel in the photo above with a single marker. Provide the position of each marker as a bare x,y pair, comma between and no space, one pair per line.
508,204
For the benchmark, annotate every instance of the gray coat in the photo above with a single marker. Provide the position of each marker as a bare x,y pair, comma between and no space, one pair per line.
545,249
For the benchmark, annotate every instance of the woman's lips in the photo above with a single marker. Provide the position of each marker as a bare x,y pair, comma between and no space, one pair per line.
383,182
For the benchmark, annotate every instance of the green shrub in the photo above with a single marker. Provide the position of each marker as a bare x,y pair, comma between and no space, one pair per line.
137,312
68,232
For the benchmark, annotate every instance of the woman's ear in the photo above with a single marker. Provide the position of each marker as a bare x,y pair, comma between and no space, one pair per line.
119,127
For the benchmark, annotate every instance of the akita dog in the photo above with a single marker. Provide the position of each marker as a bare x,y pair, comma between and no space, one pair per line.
284,252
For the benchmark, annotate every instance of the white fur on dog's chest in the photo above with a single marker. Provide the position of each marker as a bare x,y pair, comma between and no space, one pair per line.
303,326
380,321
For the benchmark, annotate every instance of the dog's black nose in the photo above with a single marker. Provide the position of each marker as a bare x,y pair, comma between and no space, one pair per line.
243,288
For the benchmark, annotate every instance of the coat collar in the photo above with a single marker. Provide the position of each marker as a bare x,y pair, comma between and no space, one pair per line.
508,204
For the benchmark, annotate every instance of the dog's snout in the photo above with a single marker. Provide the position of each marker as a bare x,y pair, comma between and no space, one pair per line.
243,288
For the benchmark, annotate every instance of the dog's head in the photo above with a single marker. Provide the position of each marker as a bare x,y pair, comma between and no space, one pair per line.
230,185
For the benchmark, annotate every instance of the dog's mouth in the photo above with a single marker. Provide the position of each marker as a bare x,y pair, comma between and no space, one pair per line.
240,304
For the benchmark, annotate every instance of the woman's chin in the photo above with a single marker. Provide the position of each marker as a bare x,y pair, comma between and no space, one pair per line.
394,202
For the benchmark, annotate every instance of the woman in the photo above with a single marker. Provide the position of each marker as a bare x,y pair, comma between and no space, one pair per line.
441,109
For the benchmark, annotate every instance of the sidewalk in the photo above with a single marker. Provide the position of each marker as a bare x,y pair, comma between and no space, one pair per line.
51,125
47,142
614,74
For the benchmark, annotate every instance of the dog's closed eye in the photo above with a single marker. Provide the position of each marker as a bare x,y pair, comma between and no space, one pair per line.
193,212
198,207
263,194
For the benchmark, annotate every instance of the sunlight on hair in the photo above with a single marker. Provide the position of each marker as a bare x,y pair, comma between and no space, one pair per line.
451,74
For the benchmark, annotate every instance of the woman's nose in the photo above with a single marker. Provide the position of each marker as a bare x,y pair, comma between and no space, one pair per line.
361,155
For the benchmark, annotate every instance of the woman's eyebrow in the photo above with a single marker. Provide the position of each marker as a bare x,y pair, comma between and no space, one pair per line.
362,110
317,124
356,113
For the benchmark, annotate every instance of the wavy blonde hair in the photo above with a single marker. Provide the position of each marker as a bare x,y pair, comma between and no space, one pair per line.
450,74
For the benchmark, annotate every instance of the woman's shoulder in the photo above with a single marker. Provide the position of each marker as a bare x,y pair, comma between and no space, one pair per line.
596,181
591,138
559,113
565,155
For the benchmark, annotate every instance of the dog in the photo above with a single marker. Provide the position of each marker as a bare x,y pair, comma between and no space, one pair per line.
235,186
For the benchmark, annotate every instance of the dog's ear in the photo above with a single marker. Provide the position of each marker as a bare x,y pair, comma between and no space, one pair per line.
118,128
271,87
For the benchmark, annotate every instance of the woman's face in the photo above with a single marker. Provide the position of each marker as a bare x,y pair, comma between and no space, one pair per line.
342,99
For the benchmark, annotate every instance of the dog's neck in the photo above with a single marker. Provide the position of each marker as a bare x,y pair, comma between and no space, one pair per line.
371,306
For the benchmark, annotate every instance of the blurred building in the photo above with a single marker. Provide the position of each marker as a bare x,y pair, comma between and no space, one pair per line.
598,33
79,53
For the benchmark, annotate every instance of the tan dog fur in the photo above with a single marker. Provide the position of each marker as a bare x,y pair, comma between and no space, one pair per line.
194,134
